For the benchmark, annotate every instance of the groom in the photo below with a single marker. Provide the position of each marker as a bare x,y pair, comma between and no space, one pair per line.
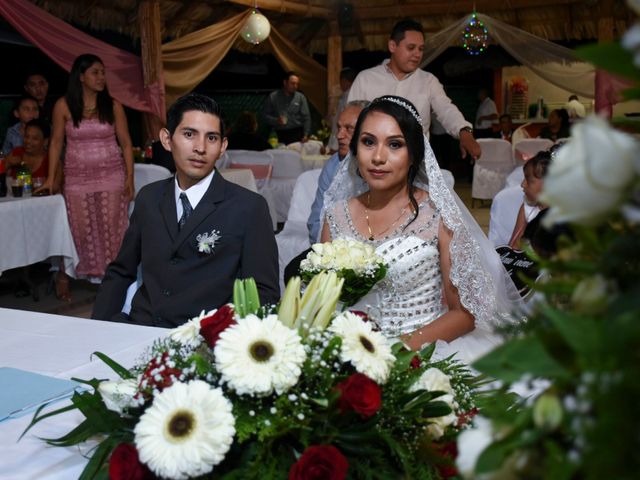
194,234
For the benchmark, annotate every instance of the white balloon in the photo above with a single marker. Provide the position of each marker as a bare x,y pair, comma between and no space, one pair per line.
256,29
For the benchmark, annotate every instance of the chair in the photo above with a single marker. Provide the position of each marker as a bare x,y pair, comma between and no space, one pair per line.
504,211
491,169
260,163
244,178
527,148
294,237
310,147
144,173
287,167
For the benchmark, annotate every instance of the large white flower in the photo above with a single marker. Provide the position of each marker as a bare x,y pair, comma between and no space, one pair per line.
118,394
188,333
591,175
368,351
187,430
435,380
259,356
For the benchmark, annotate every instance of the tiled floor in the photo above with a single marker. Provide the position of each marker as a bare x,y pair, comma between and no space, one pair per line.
84,293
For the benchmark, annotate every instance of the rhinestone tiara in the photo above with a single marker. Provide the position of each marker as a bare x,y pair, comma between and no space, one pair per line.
404,105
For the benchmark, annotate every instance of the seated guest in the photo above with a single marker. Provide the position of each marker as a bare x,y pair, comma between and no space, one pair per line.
192,235
486,114
33,152
528,223
558,125
26,109
506,128
36,85
574,108
244,136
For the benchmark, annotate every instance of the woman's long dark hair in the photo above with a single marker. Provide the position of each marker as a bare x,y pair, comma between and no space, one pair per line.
75,102
411,130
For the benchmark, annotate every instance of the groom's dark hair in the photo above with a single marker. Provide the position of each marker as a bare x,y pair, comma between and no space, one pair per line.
191,102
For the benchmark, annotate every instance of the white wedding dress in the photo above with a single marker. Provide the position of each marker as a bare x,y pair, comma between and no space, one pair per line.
411,294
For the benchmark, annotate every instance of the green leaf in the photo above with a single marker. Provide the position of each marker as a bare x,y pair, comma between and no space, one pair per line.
492,457
78,435
115,366
611,57
581,333
520,356
98,458
38,418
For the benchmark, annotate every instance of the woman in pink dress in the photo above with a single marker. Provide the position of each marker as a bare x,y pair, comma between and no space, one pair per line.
98,166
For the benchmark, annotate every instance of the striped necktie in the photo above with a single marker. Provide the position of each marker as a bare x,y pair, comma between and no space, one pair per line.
186,210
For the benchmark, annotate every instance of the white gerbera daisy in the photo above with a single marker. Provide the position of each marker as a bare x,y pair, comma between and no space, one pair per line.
368,351
259,356
434,380
187,430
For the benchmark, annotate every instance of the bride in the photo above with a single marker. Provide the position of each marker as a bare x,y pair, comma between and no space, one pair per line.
444,282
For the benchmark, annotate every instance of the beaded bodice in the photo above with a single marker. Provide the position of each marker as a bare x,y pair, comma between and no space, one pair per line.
410,295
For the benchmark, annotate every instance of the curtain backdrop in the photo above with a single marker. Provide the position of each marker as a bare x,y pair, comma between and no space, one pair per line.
63,43
191,58
188,60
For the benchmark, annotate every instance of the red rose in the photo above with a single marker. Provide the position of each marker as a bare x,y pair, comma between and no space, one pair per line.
360,394
415,362
211,327
320,462
124,464
448,452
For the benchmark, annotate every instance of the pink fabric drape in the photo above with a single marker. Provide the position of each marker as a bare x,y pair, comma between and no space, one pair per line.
63,43
609,92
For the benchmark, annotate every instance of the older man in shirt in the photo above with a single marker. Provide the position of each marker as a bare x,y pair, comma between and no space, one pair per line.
400,75
346,125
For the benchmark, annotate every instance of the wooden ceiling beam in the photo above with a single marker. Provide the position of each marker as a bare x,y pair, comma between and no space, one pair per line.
444,8
289,6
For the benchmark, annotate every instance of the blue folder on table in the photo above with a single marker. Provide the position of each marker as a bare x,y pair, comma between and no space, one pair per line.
22,391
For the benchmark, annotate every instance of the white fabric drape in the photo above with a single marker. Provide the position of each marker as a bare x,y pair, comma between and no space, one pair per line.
556,64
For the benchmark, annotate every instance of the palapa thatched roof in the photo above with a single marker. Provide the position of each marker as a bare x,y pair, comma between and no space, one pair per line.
364,24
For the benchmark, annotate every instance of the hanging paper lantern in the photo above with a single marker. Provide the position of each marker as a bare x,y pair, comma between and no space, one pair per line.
475,36
256,29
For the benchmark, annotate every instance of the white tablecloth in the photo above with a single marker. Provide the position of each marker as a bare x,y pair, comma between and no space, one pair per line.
33,229
60,347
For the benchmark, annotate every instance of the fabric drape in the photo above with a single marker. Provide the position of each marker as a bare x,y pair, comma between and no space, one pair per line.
63,43
313,76
188,60
556,64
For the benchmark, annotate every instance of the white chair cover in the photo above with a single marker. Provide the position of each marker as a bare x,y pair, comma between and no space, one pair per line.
286,163
527,148
240,176
310,147
515,178
491,169
294,237
144,173
504,211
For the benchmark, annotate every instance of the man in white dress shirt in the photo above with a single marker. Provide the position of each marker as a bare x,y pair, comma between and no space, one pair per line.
485,116
400,75
574,108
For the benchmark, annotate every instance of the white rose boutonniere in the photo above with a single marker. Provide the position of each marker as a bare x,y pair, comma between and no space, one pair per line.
591,175
206,241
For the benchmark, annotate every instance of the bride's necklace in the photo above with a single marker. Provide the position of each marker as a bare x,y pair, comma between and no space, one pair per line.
366,216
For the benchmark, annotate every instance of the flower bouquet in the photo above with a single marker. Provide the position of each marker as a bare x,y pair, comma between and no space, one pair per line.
357,263
254,392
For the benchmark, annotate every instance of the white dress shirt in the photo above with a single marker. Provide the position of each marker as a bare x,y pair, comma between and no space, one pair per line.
194,193
421,88
487,107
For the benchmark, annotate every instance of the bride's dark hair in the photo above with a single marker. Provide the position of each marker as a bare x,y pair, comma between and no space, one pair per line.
408,120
